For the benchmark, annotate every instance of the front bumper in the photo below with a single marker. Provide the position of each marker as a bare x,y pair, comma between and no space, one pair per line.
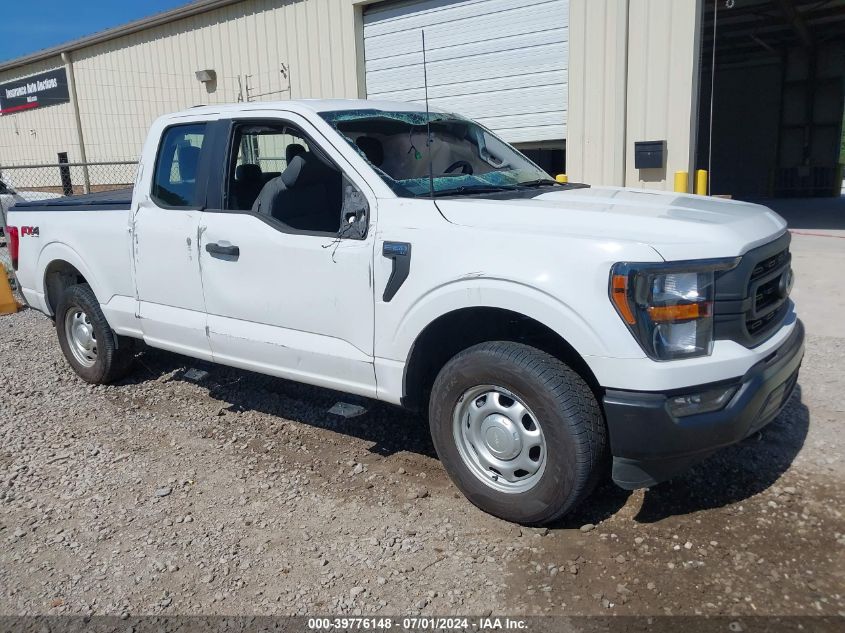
649,445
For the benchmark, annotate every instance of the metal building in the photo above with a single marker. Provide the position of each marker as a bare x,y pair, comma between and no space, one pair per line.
610,91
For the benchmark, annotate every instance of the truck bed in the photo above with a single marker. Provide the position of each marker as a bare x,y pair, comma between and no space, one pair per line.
89,233
116,200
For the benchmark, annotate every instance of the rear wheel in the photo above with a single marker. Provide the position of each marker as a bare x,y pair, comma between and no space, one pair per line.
519,432
89,344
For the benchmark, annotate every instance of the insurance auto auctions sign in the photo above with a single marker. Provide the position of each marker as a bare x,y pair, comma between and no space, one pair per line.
38,91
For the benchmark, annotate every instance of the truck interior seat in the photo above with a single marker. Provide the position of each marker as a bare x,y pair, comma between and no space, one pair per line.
292,151
311,198
189,160
248,183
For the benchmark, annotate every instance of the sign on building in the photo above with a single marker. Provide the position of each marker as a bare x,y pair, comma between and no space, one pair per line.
37,91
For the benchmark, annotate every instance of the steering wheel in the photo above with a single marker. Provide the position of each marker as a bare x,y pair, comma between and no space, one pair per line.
466,168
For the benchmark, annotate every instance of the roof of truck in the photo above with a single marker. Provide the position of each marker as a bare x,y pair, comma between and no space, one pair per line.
308,106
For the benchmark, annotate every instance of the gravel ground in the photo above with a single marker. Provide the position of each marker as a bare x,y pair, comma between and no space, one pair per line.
237,493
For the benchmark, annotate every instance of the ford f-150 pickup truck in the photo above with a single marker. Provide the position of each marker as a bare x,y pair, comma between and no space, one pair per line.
549,332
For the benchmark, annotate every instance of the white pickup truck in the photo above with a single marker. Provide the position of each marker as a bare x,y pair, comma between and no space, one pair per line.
544,329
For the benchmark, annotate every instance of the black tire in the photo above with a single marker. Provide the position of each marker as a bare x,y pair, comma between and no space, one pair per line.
571,420
115,354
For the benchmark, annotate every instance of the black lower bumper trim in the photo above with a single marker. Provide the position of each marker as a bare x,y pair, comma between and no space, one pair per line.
649,445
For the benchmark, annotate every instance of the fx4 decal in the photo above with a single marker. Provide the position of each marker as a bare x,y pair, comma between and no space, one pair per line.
30,230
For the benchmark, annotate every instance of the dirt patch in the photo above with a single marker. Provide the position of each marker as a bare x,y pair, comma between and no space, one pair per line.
240,494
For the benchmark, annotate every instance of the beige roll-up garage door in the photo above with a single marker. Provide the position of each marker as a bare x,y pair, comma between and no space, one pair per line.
502,62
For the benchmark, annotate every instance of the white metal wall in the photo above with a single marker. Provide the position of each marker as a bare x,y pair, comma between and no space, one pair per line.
125,83
502,62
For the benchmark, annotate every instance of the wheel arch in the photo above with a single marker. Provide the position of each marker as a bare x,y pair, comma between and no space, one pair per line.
61,268
461,328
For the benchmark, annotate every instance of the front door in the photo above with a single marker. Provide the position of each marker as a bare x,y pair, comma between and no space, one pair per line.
286,260
165,245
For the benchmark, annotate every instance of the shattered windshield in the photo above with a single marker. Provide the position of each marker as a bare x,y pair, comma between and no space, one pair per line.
466,158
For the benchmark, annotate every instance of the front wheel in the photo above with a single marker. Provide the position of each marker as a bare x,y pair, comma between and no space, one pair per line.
519,432
89,344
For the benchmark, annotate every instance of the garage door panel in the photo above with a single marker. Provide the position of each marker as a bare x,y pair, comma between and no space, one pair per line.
487,33
411,51
521,121
505,64
543,99
530,134
430,13
518,82
501,61
538,105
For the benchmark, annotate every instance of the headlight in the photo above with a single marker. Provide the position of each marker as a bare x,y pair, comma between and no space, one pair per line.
668,307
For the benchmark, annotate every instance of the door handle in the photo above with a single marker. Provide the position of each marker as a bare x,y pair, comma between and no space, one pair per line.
217,248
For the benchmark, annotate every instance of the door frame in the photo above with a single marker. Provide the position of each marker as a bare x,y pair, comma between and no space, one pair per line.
224,139
143,199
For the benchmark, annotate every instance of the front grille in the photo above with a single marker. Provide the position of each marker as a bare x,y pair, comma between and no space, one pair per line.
758,327
768,294
752,299
769,264
767,290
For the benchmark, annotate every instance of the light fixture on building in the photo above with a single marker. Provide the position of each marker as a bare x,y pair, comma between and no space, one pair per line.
206,76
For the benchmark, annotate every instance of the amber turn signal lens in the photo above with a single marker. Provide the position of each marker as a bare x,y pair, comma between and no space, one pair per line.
680,312
620,298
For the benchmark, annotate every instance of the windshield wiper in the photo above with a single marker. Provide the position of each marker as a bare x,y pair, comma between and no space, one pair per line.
465,190
542,182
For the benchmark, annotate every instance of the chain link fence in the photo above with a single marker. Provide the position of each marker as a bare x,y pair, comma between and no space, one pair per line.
67,179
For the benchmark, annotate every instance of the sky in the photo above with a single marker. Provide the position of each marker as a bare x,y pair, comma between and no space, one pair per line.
32,25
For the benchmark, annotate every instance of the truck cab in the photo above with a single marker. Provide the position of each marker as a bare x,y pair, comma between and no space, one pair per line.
545,330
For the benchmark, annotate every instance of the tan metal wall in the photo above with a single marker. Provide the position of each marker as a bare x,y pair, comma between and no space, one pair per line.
124,83
598,41
633,77
663,72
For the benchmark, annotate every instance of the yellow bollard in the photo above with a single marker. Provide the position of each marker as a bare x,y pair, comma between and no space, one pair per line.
8,305
562,178
701,182
681,182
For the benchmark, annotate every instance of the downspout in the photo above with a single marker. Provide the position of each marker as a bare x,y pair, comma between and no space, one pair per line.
625,95
74,104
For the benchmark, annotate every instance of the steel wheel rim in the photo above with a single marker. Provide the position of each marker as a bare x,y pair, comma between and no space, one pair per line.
80,337
499,439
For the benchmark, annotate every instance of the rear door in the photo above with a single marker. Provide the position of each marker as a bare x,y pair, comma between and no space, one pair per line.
288,282
165,230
